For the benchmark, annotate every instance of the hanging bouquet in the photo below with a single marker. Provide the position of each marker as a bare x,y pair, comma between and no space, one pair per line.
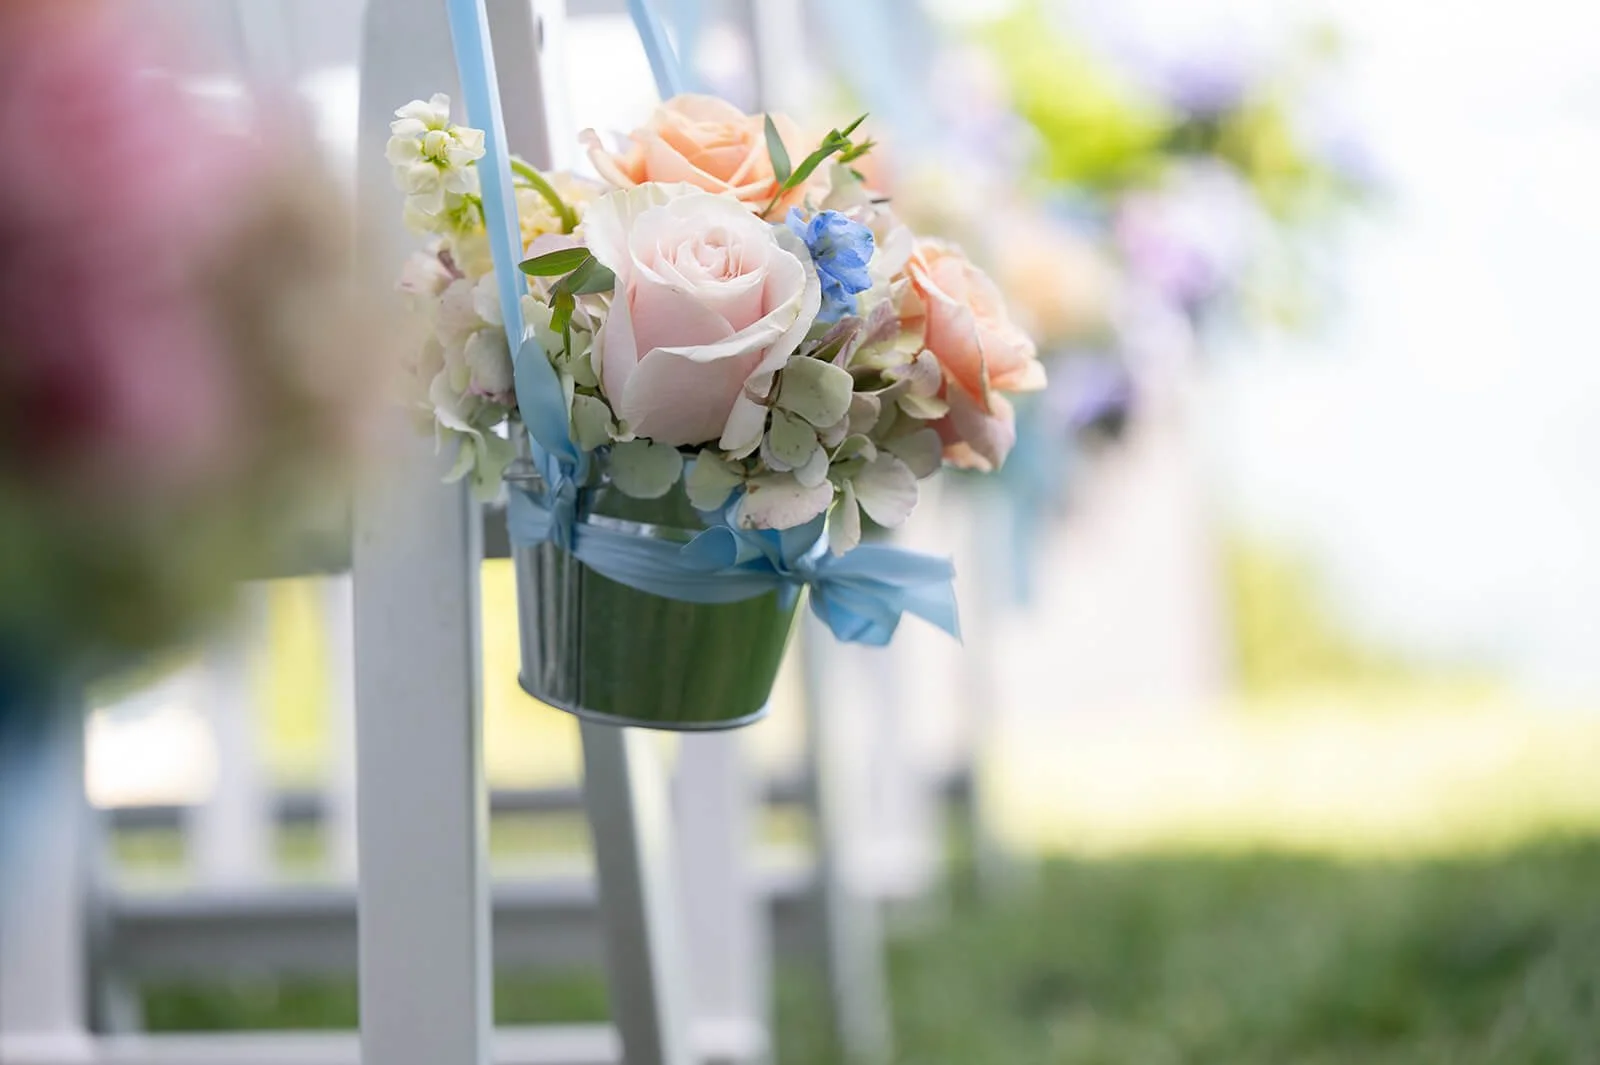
724,310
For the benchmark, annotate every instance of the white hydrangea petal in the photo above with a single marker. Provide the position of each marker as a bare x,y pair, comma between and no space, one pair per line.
644,469
921,451
790,441
864,412
466,457
856,446
711,480
924,408
815,390
493,454
486,300
844,524
488,357
815,470
779,501
591,422
887,490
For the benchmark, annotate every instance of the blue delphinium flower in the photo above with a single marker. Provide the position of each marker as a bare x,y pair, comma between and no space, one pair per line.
841,249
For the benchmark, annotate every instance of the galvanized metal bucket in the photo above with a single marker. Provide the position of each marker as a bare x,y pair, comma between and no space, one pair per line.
611,653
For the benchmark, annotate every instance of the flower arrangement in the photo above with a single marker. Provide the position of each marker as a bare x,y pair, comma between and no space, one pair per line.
722,311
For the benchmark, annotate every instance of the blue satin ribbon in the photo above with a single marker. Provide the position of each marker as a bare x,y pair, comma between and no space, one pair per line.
539,394
860,595
664,65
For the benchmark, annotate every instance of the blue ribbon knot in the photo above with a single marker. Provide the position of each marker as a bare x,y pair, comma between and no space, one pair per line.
860,595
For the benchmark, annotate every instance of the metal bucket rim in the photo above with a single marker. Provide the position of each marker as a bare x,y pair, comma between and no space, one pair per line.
619,721
528,479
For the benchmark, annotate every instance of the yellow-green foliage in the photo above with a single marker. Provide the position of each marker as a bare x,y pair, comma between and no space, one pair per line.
1283,635
1099,131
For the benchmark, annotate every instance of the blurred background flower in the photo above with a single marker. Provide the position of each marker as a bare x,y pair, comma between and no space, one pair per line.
186,360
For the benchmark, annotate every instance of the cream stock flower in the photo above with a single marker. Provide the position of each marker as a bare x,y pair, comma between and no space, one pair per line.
432,158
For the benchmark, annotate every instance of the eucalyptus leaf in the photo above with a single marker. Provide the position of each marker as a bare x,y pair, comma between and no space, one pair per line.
555,263
644,469
815,390
711,480
887,490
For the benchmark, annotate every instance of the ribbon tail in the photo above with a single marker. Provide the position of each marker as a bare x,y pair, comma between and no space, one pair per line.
862,595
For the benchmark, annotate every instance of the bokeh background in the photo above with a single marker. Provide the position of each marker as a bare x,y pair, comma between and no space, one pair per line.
1281,688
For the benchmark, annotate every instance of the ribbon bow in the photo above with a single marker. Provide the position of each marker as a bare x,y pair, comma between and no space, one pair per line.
860,595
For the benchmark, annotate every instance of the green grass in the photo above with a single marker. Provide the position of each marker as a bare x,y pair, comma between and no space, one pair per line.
1190,960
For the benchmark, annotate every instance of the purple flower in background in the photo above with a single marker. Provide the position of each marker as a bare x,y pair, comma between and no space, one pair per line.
1206,84
1188,241
1092,392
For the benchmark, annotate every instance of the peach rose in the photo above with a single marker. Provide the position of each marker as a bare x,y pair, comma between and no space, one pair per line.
704,142
982,351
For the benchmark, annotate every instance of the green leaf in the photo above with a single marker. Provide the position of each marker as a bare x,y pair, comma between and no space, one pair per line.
644,469
778,153
563,304
851,128
815,390
856,151
588,278
810,164
553,263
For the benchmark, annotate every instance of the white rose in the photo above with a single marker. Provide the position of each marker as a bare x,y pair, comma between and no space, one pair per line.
710,301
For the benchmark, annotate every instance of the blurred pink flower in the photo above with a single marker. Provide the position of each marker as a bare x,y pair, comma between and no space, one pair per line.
115,181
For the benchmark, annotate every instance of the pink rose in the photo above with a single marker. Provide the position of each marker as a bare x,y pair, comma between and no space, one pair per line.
704,142
982,351
709,302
